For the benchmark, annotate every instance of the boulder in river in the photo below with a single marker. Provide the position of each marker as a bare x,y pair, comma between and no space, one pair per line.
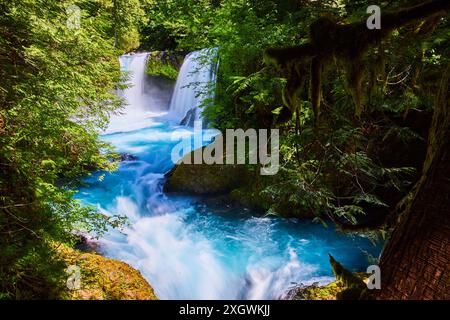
239,184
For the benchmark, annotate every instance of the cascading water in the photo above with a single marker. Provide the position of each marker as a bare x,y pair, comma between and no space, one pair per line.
185,249
144,100
194,86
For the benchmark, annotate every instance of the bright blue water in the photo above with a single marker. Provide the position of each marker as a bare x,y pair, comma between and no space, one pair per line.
187,251
183,248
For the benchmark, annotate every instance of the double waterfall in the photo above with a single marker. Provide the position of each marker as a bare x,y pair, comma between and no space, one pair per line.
146,97
183,247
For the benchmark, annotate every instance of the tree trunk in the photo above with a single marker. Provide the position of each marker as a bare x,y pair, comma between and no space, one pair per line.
416,261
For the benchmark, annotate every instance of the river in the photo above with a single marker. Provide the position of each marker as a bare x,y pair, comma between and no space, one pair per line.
185,249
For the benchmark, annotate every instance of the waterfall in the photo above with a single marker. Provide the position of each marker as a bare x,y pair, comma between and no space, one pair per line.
143,97
193,86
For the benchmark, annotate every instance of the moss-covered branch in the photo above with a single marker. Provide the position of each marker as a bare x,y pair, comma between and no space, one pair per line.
330,40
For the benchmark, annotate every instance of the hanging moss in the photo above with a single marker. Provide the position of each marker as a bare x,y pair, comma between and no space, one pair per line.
347,44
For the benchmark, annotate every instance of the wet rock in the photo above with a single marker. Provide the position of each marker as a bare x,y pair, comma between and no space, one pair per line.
127,157
336,290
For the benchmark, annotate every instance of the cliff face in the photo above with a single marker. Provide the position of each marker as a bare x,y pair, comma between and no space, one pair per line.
105,279
166,64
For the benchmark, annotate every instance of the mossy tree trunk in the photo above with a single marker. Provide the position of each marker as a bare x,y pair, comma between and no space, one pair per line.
416,261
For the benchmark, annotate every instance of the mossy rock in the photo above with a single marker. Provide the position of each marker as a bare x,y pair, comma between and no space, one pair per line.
165,64
315,292
348,286
105,279
347,278
202,179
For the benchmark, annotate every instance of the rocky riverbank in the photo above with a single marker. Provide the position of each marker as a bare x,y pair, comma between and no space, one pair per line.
102,278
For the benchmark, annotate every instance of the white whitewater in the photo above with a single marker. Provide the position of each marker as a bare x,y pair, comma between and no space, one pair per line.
140,107
194,86
185,249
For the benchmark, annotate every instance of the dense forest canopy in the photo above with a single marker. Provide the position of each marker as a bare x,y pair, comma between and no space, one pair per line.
354,168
